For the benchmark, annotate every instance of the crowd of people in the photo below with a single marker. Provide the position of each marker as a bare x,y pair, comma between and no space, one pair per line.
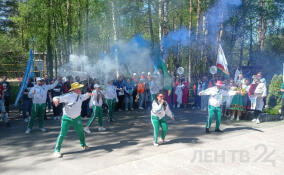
242,95
72,98
138,91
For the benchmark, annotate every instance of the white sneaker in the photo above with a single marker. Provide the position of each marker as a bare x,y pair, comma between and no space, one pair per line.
57,154
42,129
257,121
254,120
87,130
102,129
155,144
232,117
26,120
238,118
141,108
28,131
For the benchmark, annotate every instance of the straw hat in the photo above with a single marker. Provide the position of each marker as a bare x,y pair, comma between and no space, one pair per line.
76,85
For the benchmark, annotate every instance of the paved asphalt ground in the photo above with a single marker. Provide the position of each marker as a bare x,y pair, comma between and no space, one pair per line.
126,148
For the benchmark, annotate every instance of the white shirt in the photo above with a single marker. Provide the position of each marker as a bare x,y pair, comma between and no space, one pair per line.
94,100
158,110
216,95
110,92
73,103
41,92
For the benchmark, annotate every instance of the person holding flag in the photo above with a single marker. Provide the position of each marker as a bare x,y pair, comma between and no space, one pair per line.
39,94
215,100
71,115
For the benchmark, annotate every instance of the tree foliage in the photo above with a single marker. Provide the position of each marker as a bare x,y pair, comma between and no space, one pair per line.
252,34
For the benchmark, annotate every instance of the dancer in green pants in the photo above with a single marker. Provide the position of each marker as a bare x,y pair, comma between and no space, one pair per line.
215,101
71,115
96,103
111,98
39,93
160,109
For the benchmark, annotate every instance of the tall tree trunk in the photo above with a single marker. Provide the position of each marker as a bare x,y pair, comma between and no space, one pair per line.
114,34
87,29
69,28
48,41
189,55
260,25
197,19
264,34
241,52
161,17
250,41
80,18
150,23
55,42
113,21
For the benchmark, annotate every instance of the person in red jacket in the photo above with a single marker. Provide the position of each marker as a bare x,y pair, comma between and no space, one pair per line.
140,91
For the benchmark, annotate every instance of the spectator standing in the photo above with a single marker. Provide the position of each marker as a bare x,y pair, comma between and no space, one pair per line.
7,88
27,101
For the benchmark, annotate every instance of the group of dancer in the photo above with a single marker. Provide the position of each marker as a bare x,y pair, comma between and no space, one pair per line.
72,101
72,110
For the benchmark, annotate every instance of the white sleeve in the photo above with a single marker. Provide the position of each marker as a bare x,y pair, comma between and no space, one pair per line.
264,92
206,92
51,86
30,94
85,96
169,112
156,108
63,98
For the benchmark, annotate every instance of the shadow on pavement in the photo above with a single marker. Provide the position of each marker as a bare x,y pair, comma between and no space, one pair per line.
108,147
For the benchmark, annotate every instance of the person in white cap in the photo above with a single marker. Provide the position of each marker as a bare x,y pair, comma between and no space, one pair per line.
39,94
215,100
71,115
96,103
111,98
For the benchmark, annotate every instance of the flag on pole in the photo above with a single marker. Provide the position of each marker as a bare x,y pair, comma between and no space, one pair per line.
27,76
160,64
221,61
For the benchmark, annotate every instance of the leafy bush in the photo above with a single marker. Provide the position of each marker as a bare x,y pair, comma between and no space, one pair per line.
274,95
273,111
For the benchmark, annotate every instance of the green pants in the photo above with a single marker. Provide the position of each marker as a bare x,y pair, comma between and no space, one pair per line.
111,106
153,97
156,122
214,111
65,124
37,110
97,112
